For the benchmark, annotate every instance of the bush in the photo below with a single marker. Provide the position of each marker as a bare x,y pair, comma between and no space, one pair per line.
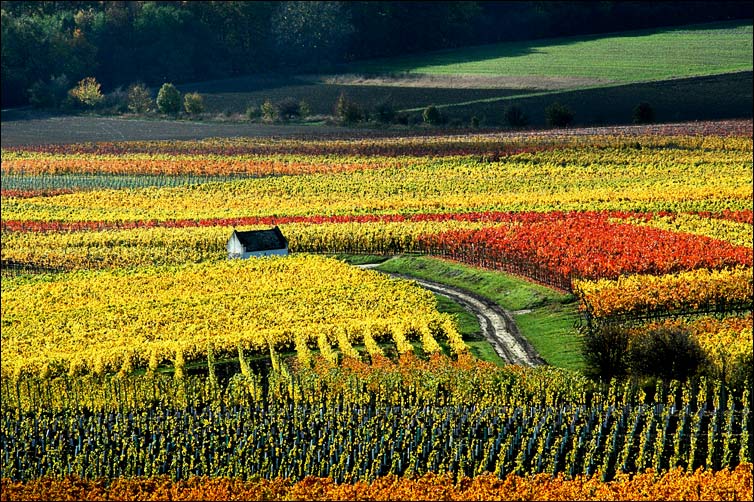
666,352
268,110
432,115
169,99
384,111
643,114
116,101
304,110
193,103
604,351
139,98
287,109
347,111
87,93
50,94
515,116
558,115
253,112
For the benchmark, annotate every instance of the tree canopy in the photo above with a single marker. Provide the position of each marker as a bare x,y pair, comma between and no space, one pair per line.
121,42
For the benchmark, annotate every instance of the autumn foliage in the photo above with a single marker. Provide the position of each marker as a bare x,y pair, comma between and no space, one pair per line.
674,485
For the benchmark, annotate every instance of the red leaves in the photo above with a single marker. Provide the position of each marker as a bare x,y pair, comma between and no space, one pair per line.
586,245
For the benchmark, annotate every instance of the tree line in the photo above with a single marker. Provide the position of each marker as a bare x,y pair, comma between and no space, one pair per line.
120,42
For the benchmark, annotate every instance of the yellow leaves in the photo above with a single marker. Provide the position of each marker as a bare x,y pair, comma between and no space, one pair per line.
325,349
402,344
570,179
454,337
739,234
123,319
670,292
344,344
429,344
373,349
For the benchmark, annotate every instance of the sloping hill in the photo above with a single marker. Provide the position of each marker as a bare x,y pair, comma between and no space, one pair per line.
686,73
633,56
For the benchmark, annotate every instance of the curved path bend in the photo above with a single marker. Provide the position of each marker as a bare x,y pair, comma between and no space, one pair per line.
497,324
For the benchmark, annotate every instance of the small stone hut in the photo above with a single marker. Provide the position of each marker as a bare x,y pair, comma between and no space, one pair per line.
257,243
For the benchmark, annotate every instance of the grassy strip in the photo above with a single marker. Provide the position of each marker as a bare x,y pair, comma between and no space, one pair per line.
544,316
360,259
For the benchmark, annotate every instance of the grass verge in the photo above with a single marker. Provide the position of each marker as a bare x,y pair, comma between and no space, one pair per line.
544,316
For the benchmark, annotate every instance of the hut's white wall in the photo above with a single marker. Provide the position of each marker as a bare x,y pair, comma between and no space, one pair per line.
235,248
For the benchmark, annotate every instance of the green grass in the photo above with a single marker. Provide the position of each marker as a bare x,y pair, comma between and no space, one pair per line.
635,56
360,259
549,322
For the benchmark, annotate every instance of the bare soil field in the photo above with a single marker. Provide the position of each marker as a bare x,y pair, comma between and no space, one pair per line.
29,128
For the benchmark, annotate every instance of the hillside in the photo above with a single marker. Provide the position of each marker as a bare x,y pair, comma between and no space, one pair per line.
631,56
688,73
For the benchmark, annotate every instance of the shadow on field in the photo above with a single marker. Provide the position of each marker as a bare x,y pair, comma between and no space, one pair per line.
714,97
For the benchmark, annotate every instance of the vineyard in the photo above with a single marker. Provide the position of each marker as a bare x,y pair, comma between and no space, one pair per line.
137,358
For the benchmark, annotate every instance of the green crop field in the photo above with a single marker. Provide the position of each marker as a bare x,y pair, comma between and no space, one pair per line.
623,57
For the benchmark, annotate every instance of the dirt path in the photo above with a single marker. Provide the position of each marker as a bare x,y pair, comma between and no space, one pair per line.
497,325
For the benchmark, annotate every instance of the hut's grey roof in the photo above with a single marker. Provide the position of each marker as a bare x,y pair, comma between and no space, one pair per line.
262,240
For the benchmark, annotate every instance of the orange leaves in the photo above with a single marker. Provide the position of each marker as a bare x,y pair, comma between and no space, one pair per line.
675,485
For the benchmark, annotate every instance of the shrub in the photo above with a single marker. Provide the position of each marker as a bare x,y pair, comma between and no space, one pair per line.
139,98
643,114
401,118
193,103
666,352
604,351
347,111
558,115
515,116
169,99
384,111
287,109
50,94
431,115
253,112
268,110
87,93
116,101
304,110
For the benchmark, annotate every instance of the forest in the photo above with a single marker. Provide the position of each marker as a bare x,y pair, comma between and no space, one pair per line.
119,42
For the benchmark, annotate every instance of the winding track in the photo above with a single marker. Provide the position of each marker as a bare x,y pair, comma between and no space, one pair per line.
497,325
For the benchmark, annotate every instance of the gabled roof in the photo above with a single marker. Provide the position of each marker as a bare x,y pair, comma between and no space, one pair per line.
261,240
